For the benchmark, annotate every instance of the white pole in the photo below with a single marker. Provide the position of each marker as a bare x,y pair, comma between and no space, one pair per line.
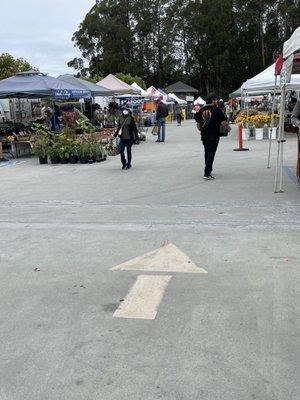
279,164
272,123
282,140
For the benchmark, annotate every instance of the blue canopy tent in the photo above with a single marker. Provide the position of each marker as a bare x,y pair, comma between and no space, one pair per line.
34,84
96,90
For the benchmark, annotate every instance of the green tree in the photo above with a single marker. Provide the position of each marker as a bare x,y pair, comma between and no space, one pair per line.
213,45
9,65
78,65
105,38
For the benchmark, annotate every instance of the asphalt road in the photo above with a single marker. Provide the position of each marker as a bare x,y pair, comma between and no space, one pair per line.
230,334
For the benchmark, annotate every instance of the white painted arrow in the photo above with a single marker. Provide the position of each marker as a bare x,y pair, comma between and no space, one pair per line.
147,292
144,297
166,259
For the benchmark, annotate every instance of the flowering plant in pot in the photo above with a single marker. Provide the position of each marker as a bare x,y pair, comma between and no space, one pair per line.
260,120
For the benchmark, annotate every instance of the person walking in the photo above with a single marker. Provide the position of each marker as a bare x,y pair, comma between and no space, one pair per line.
128,134
178,114
209,120
161,114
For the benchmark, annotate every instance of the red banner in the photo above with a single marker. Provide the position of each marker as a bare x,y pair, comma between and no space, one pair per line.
278,65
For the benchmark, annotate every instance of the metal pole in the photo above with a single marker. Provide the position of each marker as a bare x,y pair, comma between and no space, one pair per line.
272,123
281,140
20,110
281,168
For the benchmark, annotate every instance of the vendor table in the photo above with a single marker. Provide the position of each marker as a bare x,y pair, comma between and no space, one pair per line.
21,149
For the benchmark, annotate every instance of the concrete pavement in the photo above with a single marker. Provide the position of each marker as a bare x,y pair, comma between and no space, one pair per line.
232,333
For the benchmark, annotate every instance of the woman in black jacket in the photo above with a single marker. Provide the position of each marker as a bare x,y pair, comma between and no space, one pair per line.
209,120
128,134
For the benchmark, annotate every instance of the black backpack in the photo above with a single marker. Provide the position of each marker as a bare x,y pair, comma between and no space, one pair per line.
164,111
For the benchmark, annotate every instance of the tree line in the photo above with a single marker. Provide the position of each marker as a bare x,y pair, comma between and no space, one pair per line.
213,45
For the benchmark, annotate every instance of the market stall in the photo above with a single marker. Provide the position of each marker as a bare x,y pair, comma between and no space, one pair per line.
291,64
34,85
264,83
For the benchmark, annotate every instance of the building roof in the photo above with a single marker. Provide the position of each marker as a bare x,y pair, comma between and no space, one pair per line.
180,87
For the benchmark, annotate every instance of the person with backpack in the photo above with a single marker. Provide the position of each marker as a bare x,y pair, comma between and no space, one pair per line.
161,114
209,120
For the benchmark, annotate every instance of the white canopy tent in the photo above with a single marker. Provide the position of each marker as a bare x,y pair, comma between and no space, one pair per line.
199,101
142,91
289,48
264,82
292,45
177,99
267,82
115,84
153,92
159,94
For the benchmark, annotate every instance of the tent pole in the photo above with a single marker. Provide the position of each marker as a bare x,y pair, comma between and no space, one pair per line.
20,109
281,140
272,123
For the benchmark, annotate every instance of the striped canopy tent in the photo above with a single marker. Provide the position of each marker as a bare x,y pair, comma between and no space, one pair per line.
153,92
166,98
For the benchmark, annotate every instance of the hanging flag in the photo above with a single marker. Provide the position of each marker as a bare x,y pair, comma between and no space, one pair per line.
278,65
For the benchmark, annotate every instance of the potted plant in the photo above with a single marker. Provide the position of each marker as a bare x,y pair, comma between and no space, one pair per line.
74,150
259,121
273,129
64,154
244,119
64,147
54,153
95,152
83,151
41,143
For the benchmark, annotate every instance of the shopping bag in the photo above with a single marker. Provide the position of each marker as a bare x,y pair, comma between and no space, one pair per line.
154,130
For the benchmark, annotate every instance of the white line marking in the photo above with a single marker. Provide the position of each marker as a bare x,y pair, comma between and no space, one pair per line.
144,297
166,259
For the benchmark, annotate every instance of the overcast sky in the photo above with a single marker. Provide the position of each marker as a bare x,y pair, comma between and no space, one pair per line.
41,31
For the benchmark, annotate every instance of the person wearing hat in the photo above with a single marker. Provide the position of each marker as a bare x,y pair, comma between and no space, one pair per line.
128,134
209,120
